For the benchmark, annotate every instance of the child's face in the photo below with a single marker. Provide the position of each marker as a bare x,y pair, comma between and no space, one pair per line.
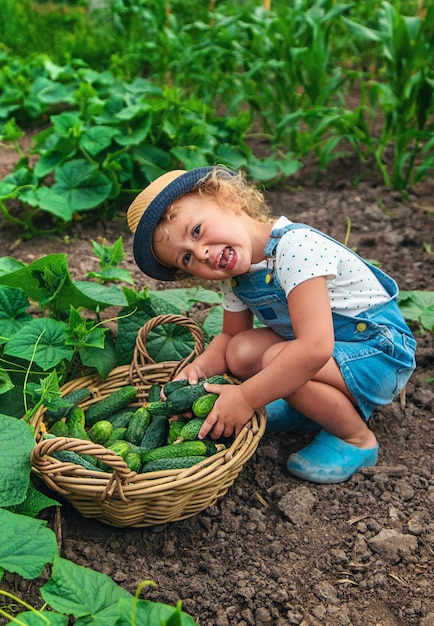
205,239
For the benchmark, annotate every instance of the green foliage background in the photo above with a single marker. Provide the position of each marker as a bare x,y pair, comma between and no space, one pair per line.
120,91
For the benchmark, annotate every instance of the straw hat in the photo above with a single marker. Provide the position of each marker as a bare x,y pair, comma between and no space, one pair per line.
146,210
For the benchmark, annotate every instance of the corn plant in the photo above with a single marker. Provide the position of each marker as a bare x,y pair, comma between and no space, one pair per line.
401,97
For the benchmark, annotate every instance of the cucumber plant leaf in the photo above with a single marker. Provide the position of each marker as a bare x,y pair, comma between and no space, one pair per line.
16,444
27,545
84,593
132,318
149,613
5,382
418,306
82,185
13,311
184,298
42,340
34,503
47,281
102,359
30,618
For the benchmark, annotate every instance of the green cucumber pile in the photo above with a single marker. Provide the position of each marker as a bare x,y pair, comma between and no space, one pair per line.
149,438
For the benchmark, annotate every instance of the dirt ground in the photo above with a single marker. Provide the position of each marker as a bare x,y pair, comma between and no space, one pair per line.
275,550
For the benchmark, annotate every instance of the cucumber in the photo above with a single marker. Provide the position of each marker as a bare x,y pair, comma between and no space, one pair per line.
117,400
75,421
173,463
175,430
202,406
69,456
154,393
117,434
121,418
186,448
174,385
60,429
181,401
133,461
100,432
158,409
137,426
156,433
72,398
190,430
120,447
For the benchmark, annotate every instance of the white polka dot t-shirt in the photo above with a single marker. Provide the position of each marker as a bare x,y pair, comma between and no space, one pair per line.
302,254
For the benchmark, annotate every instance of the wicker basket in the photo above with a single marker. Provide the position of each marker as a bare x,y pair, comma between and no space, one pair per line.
123,497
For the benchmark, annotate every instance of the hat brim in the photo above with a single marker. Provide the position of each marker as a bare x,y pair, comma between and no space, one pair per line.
142,244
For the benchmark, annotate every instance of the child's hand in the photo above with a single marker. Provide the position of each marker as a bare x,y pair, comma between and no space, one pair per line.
229,414
191,372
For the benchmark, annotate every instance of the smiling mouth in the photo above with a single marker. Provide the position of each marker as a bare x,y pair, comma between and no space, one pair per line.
226,257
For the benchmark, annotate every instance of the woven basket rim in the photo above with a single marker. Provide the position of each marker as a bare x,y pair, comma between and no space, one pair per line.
123,489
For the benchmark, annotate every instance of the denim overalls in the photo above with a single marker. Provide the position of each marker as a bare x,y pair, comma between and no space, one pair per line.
374,350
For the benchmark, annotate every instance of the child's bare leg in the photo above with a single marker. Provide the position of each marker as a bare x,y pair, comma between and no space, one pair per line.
246,350
345,445
327,400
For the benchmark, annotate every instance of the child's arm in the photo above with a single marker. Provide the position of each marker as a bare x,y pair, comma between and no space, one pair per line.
289,364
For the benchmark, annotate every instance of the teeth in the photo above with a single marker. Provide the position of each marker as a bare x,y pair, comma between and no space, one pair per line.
229,261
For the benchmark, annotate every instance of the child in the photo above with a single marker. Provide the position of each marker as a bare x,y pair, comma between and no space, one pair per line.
334,345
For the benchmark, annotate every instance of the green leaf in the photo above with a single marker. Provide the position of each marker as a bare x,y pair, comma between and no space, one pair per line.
111,274
185,298
82,185
109,256
361,31
42,618
414,303
230,156
149,613
190,157
83,593
42,340
169,342
97,138
427,318
82,332
102,359
8,264
262,170
51,92
214,321
132,318
54,203
26,546
34,503
13,311
16,444
47,280
103,296
5,382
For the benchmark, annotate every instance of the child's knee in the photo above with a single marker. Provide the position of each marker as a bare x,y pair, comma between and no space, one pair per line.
242,356
270,353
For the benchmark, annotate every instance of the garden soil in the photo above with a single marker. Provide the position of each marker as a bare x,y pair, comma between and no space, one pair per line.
276,550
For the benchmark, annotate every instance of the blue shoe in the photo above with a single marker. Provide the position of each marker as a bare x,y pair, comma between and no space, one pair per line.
282,418
329,459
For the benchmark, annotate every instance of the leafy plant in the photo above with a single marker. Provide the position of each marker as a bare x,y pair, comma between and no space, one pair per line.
418,307
71,591
403,98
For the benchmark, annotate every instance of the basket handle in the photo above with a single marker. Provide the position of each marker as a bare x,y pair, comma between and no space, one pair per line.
49,466
141,356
